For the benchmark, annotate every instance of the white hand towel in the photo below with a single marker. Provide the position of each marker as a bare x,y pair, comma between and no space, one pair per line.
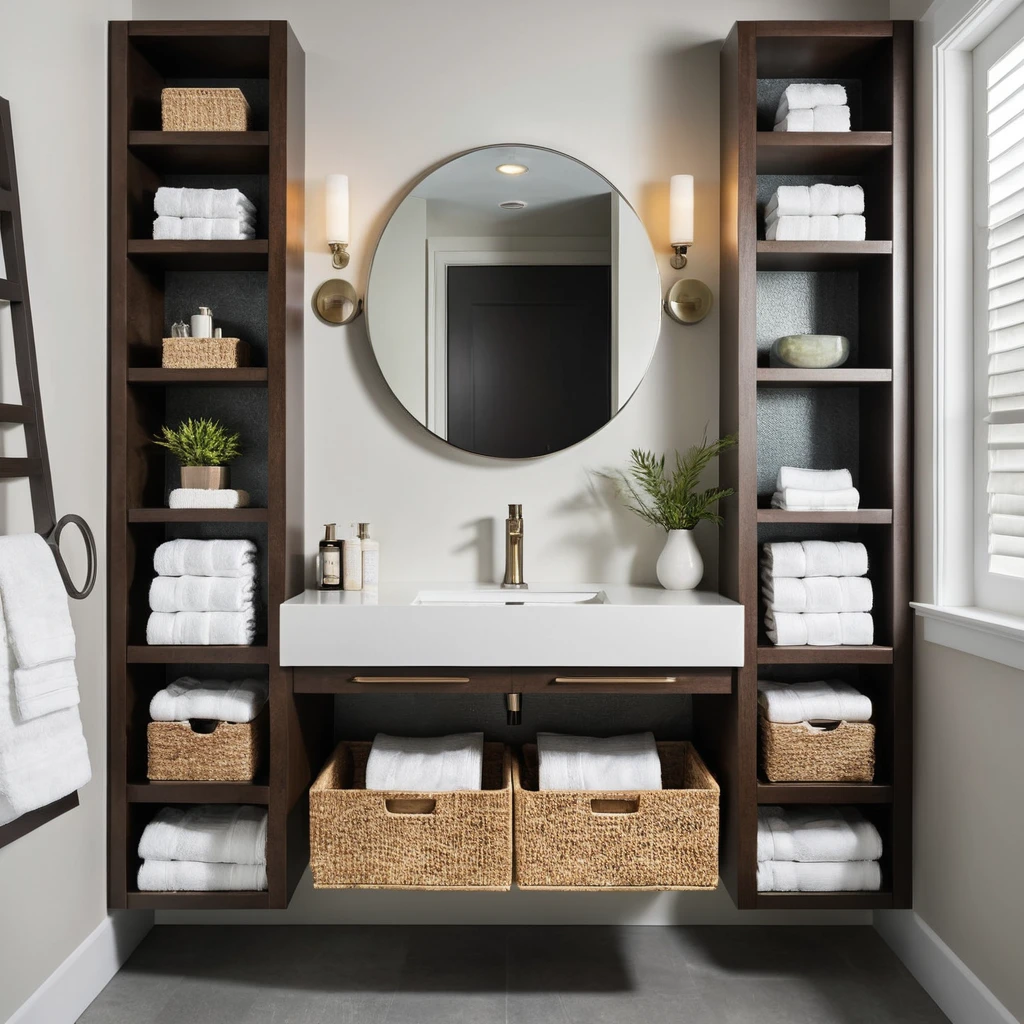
1011,484
800,229
211,833
807,95
432,764
815,834
793,499
46,688
188,557
825,700
587,763
852,228
813,479
197,228
829,629
201,594
198,497
820,119
846,876
817,594
217,629
820,199
202,202
196,876
815,558
217,699
41,759
1006,504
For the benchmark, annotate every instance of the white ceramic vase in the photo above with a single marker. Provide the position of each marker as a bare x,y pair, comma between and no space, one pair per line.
680,566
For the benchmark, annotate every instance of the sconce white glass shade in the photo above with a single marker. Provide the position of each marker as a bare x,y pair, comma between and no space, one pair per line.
337,208
680,200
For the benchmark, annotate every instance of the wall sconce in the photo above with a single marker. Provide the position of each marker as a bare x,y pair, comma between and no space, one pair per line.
336,193
680,217
688,301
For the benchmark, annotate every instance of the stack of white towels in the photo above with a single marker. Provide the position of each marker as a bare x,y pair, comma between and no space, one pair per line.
822,700
426,764
813,107
203,213
202,497
204,593
215,700
43,755
819,212
816,593
817,849
807,490
207,847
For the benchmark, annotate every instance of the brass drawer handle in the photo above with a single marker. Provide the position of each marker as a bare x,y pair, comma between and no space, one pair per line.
410,679
616,679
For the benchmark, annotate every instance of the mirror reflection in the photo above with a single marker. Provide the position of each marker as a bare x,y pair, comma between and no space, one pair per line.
513,302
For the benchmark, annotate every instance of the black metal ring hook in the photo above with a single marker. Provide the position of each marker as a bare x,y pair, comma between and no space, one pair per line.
90,549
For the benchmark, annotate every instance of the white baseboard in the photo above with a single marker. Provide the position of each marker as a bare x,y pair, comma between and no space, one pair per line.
959,992
66,993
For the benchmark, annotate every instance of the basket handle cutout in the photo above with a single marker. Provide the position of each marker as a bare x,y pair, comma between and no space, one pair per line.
410,806
627,806
203,726
823,725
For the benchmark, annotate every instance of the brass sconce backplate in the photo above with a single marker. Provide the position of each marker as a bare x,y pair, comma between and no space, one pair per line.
335,302
688,301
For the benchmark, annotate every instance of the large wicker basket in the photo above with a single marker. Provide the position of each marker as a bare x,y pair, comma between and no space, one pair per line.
203,110
649,839
364,839
233,752
204,353
798,753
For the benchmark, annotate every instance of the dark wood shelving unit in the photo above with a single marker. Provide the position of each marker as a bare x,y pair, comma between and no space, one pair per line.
145,286
875,59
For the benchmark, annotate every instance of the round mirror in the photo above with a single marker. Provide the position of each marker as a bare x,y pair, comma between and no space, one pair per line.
514,301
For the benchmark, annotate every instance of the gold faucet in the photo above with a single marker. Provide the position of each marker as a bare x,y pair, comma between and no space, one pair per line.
514,549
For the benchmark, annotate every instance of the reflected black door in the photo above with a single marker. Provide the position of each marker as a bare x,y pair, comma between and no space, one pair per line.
529,357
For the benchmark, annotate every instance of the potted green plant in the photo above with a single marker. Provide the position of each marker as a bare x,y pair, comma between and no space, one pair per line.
204,447
673,502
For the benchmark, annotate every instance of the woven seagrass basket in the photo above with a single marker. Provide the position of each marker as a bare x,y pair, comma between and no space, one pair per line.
369,839
233,752
797,753
204,353
203,110
649,839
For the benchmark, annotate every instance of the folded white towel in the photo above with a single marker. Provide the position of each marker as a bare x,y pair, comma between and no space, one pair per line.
845,876
221,700
815,834
46,688
188,557
198,497
801,229
211,833
1006,504
196,876
815,200
820,119
807,95
813,479
792,499
817,594
588,763
202,202
41,759
198,228
426,764
852,228
815,558
202,593
218,629
828,629
825,700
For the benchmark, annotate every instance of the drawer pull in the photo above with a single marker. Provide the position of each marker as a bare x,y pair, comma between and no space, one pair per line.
410,679
616,679
410,806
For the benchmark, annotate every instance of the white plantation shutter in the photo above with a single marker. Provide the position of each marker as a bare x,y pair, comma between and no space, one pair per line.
1005,419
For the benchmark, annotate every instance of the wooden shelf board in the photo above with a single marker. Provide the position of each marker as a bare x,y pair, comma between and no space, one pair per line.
199,793
863,516
181,254
768,654
197,900
787,377
203,152
818,255
197,515
244,376
823,900
823,793
143,654
819,152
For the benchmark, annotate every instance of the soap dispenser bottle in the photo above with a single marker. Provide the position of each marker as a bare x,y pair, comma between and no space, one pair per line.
328,566
352,563
370,551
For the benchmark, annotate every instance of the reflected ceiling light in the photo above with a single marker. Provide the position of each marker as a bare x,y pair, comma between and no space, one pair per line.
511,168
513,204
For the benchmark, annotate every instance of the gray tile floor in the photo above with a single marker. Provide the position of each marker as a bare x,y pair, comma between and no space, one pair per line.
500,975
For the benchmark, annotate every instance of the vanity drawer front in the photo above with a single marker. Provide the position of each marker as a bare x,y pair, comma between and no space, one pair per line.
376,679
622,680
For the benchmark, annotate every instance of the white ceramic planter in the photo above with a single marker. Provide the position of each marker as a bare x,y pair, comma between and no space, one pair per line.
680,566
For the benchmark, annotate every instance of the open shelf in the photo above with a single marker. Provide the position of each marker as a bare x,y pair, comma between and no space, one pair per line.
202,152
839,376
823,517
136,900
819,255
823,793
820,152
187,654
203,254
251,376
824,901
198,515
199,792
873,654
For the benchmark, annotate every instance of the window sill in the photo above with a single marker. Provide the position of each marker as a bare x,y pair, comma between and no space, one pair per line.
994,636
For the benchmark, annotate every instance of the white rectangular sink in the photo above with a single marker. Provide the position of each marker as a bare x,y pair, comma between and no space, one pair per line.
477,625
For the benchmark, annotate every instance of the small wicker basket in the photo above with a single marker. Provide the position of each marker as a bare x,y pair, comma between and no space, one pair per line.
204,353
797,753
233,752
642,840
365,839
203,110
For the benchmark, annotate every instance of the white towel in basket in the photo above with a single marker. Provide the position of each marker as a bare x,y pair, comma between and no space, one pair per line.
426,764
588,763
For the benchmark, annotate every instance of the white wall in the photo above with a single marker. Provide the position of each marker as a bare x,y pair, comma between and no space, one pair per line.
53,71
